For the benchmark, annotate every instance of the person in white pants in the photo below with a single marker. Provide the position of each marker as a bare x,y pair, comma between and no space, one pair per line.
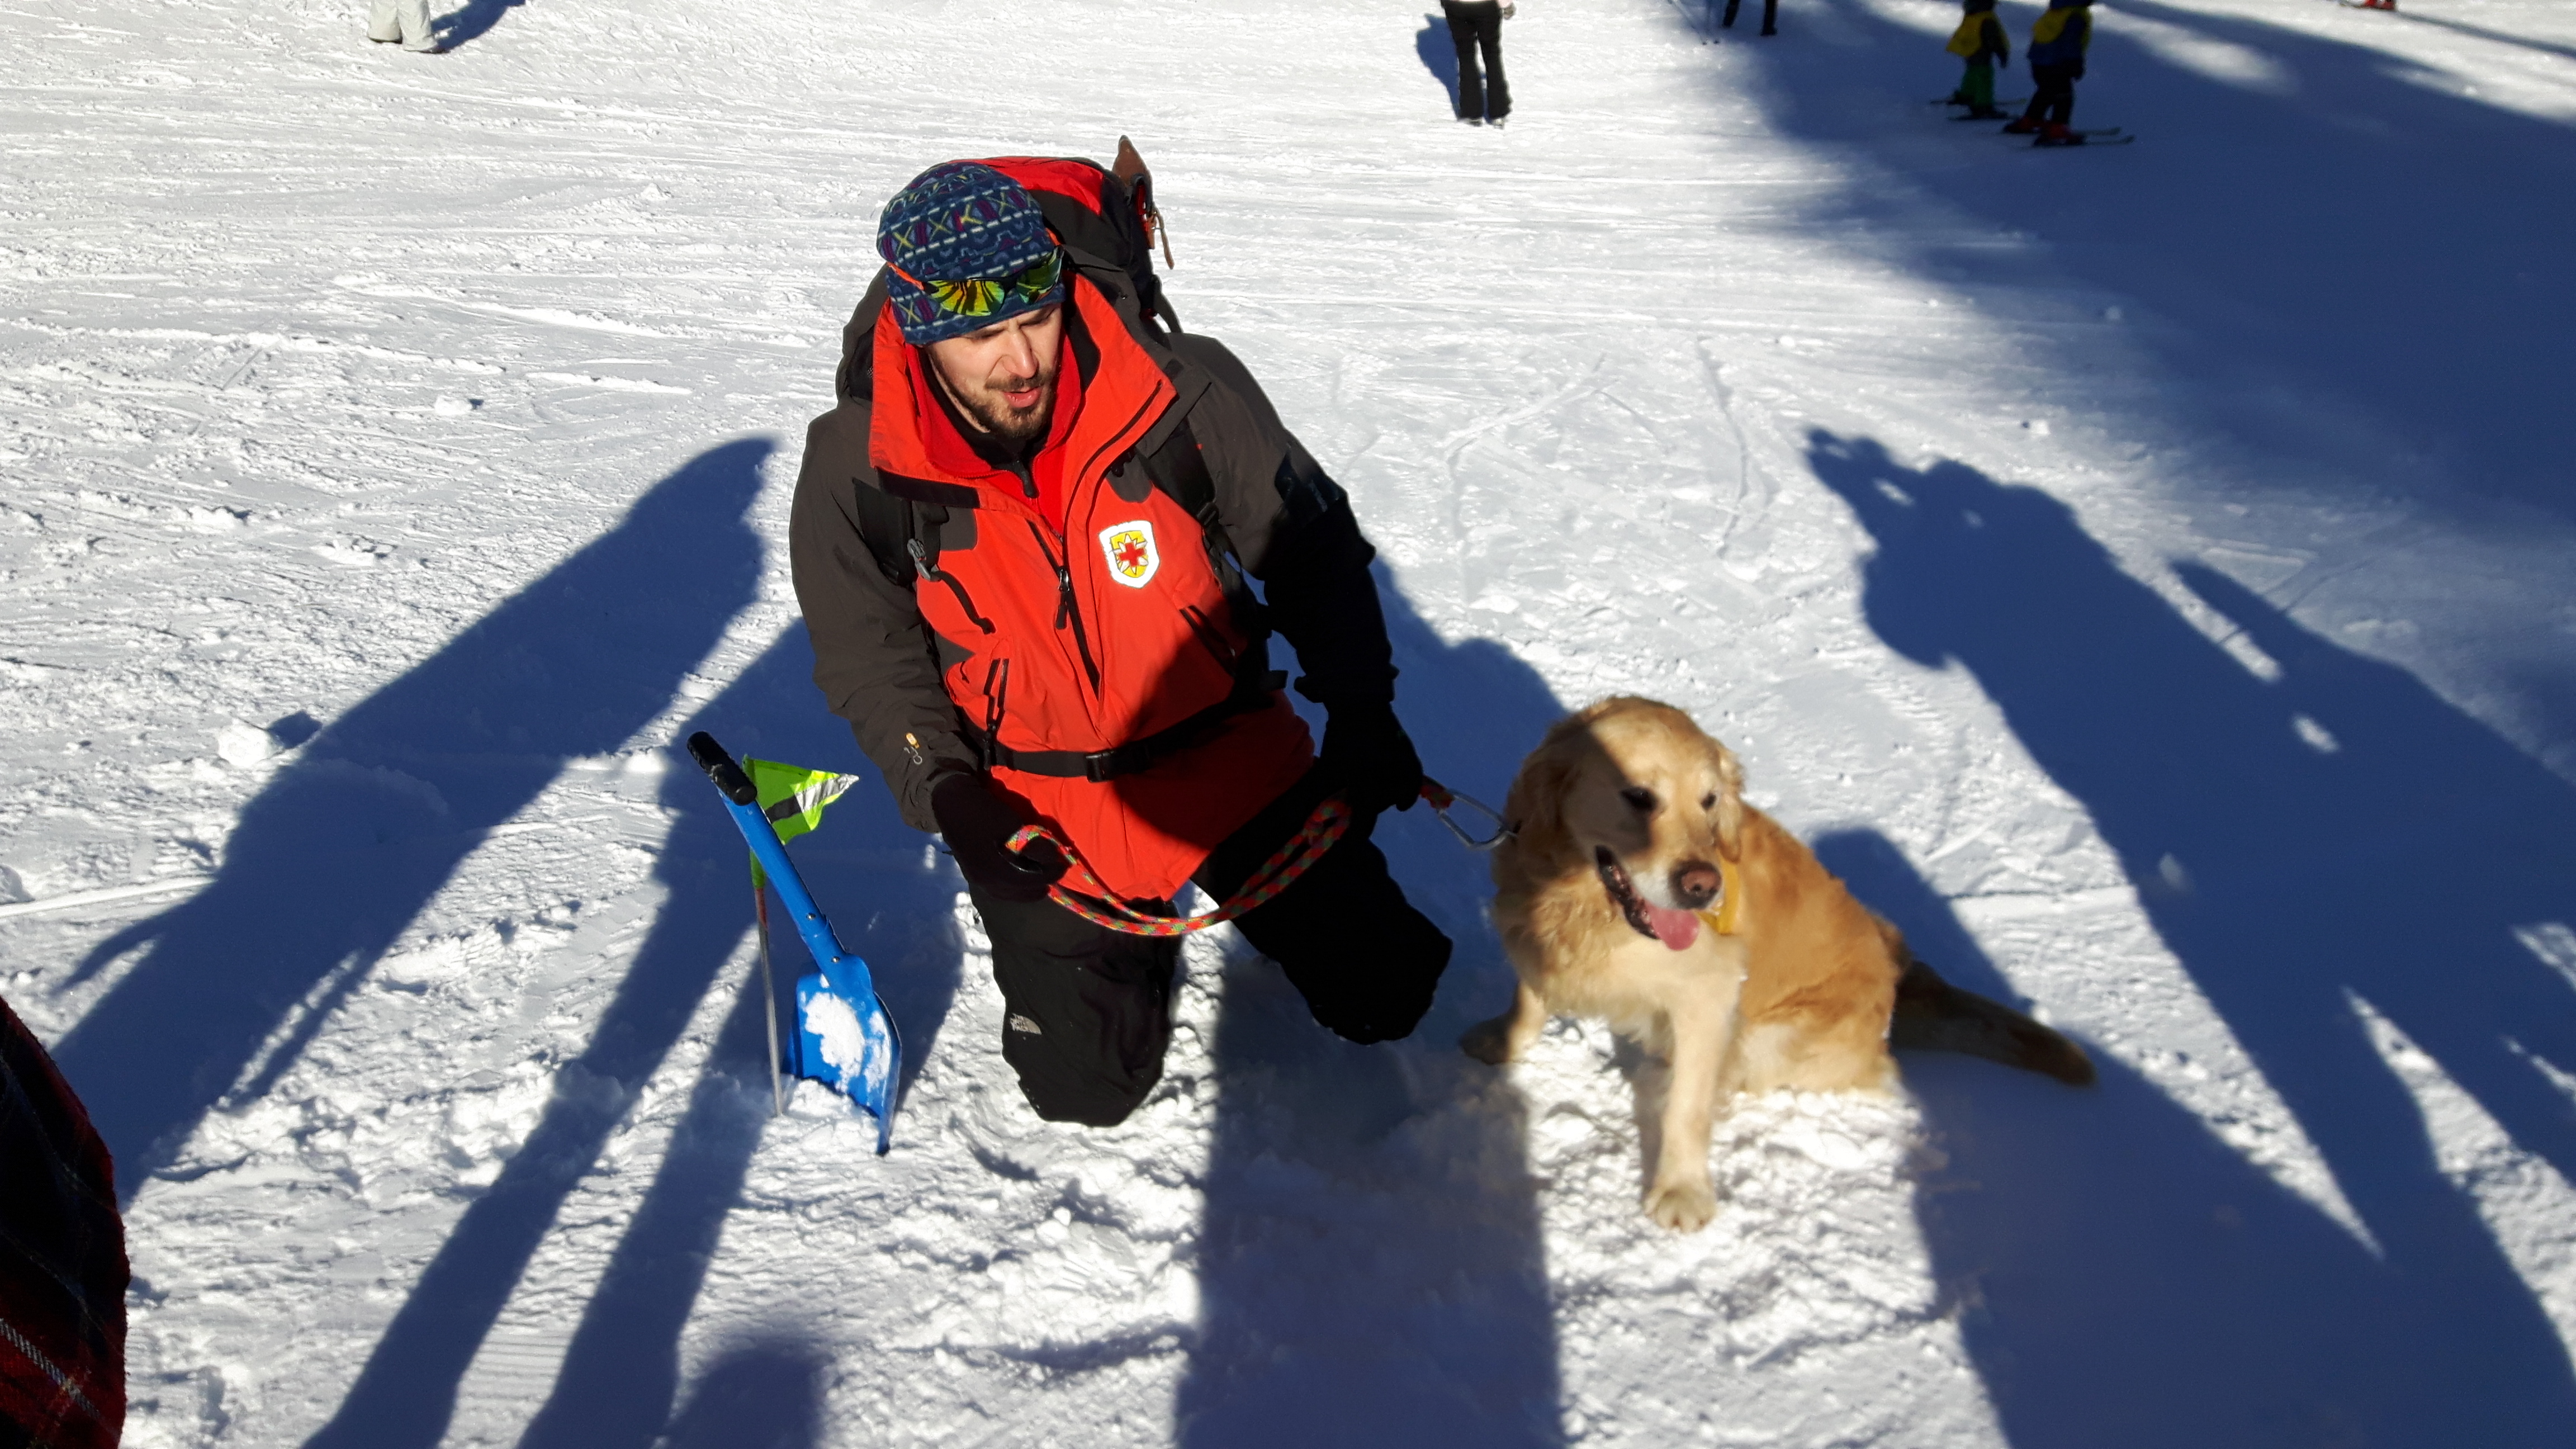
406,21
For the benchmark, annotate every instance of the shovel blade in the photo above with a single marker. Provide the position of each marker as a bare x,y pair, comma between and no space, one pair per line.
845,1040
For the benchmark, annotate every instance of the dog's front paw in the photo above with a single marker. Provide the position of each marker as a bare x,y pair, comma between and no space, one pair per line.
1489,1042
1684,1207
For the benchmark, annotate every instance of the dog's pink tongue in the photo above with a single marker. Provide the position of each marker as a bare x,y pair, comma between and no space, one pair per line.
1676,929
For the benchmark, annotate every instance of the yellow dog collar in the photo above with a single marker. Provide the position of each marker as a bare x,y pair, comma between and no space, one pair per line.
1730,899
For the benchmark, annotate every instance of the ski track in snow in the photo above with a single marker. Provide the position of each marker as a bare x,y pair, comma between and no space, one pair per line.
2142,573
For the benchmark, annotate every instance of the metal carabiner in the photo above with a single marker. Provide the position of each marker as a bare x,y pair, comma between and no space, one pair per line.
1440,797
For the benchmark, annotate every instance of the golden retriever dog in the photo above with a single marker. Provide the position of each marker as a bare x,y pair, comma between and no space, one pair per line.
1638,887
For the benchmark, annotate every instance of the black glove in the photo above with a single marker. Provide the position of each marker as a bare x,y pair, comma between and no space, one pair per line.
1367,753
977,825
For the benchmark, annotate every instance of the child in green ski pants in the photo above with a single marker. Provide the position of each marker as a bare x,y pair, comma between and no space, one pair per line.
1980,41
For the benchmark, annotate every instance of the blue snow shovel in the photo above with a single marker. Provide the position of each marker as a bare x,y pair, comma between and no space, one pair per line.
844,1037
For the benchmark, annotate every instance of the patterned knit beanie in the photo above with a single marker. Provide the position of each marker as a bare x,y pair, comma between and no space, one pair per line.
967,247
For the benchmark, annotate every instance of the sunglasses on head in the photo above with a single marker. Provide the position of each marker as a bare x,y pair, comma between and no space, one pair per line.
979,298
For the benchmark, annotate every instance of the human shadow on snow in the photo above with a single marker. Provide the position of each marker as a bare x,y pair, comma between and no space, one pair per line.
621,1372
1370,1265
2124,1277
765,1394
352,837
472,21
891,902
2341,258
2309,840
1439,55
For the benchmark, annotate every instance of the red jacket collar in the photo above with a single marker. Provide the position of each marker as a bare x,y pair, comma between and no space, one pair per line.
1095,419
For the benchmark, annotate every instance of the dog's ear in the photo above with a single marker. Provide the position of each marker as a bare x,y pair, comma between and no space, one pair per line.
1730,803
1536,805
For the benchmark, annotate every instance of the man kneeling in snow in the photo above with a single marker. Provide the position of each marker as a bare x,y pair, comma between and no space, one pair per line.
1016,541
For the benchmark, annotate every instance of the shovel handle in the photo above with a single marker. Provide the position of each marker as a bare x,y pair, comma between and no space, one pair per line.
728,776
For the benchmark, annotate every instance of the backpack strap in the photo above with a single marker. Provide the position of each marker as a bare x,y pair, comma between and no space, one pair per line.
887,527
1181,472
1093,209
900,519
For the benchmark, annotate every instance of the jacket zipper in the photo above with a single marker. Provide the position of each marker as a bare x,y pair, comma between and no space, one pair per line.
929,570
997,688
1065,612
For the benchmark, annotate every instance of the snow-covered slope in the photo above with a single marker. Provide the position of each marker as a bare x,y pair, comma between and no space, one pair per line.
2144,573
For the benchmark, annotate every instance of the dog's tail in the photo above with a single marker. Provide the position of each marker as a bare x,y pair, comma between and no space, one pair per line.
1933,1015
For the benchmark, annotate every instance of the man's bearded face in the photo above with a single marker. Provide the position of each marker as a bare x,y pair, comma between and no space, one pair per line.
1003,377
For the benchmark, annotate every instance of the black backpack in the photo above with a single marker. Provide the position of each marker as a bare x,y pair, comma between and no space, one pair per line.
1107,211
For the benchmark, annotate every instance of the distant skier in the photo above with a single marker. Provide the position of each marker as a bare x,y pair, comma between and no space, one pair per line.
1483,97
2058,40
1770,16
1026,624
1981,42
406,21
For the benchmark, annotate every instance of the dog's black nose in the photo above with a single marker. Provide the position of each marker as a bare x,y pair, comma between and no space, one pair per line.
1695,884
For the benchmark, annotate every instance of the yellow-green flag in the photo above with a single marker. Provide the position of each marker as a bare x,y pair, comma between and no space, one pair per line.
793,798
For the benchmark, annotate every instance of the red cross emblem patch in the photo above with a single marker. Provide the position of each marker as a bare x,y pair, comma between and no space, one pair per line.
1131,552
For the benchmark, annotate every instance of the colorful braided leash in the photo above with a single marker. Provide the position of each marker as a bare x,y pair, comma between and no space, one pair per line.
1091,900
1088,898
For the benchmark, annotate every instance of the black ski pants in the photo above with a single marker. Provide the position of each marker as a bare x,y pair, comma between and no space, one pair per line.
1770,16
1087,1011
1478,25
2052,98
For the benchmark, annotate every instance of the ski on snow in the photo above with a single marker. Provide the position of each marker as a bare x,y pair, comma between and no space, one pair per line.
2097,136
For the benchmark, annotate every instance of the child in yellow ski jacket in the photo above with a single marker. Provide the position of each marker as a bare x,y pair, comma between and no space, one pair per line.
2058,41
1981,42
